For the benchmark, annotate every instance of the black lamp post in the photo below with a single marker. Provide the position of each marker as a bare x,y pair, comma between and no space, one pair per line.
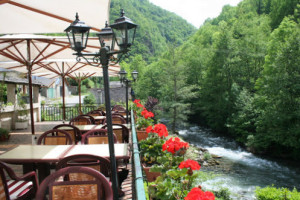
127,82
121,32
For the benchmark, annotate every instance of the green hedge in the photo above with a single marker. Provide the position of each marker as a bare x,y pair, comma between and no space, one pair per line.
272,193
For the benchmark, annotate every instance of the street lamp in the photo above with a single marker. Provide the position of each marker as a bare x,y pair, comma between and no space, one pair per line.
127,82
122,32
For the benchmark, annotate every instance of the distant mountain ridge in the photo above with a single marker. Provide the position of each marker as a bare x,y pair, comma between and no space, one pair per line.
157,27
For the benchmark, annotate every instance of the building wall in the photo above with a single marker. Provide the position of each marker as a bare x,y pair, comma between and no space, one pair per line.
9,114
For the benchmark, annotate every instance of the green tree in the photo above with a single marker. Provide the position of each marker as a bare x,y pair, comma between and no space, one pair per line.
215,91
278,127
280,9
174,90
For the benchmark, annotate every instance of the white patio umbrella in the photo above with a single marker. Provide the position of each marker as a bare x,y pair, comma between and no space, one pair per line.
50,16
48,57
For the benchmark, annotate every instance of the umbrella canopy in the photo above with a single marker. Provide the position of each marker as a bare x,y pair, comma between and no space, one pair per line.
48,57
46,54
45,16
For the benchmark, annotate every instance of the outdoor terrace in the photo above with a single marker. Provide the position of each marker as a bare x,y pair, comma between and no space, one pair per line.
18,137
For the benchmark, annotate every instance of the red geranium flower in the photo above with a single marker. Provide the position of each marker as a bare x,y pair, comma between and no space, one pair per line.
138,104
149,129
146,114
198,194
174,145
190,164
160,129
136,101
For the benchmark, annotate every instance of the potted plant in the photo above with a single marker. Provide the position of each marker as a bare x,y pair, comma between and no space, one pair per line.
151,149
177,180
143,119
4,134
22,114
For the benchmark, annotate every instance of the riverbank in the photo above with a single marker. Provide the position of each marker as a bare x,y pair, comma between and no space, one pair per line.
239,170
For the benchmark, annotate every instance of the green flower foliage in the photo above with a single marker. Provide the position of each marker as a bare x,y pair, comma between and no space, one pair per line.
151,149
273,193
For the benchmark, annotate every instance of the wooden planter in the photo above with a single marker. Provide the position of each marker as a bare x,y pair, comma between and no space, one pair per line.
141,134
151,176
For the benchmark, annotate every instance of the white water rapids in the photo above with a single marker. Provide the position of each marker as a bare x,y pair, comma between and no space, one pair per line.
240,171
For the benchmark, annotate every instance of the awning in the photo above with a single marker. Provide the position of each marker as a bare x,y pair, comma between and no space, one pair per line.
50,16
46,55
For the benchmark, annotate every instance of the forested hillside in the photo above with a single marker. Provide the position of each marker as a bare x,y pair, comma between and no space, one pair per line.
157,27
239,74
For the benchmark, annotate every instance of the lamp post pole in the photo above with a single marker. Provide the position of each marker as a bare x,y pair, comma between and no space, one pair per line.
104,61
127,82
119,33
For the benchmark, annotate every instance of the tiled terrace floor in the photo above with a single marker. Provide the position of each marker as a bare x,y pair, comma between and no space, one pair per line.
24,137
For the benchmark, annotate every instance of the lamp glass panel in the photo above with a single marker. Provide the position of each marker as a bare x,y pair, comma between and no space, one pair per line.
121,38
107,39
78,40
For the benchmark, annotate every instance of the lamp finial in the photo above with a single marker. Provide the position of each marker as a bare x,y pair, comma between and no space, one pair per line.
122,12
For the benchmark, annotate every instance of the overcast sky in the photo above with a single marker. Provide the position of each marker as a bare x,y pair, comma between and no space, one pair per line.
195,11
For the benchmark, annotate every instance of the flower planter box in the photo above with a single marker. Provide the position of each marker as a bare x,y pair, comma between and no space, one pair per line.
141,134
21,125
151,176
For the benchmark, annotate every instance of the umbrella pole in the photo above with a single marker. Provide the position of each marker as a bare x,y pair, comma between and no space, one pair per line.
29,68
63,92
79,94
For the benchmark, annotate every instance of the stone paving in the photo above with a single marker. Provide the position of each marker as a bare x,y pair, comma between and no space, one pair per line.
18,137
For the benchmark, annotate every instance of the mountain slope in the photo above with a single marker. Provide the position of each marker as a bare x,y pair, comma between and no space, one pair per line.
157,27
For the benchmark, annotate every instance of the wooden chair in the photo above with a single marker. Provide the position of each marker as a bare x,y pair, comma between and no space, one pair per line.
121,131
95,113
96,136
121,113
55,137
26,185
98,163
98,188
116,119
82,120
72,130
118,108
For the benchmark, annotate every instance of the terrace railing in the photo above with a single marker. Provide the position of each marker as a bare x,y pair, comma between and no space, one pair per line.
55,112
138,181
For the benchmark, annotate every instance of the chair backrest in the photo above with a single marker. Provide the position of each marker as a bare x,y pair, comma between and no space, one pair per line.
118,108
27,185
82,120
99,163
99,188
116,119
96,136
121,131
72,130
95,113
55,137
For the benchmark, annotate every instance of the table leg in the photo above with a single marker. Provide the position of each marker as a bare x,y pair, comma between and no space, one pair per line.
28,167
43,171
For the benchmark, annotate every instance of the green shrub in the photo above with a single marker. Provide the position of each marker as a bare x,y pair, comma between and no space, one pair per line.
207,156
4,132
89,99
272,193
222,194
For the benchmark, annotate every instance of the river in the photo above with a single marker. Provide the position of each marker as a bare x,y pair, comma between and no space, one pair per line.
240,171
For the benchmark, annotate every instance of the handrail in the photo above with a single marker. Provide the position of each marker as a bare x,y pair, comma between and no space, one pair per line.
139,182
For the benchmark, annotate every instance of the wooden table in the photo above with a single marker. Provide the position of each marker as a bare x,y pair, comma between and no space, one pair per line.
40,156
85,128
34,157
121,150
